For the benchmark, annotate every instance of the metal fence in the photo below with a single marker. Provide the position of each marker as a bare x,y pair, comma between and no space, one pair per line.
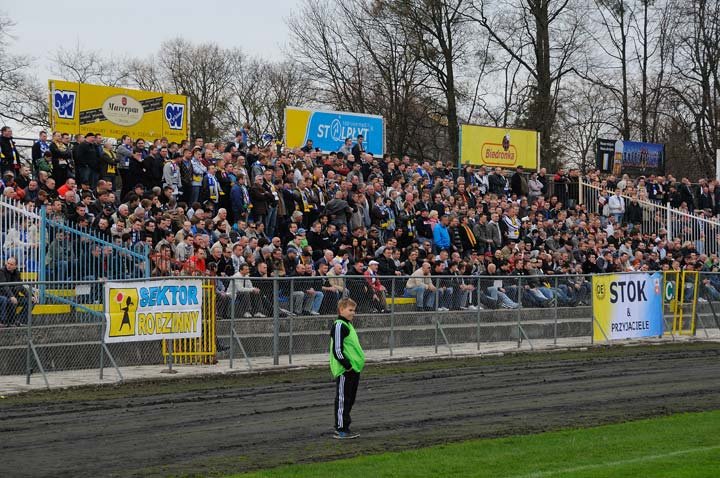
48,249
20,230
656,218
268,321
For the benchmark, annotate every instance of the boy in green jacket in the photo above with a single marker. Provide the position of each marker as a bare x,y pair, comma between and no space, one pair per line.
347,360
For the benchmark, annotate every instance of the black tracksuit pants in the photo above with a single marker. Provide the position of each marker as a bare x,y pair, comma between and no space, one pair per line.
346,386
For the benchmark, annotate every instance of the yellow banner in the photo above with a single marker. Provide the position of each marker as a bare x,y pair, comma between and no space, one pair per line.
498,147
110,111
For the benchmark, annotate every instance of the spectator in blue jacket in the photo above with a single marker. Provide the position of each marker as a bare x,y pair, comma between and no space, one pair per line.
441,236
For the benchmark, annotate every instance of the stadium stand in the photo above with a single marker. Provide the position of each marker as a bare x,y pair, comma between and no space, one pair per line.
339,224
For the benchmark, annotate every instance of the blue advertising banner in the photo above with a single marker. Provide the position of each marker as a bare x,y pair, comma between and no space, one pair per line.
329,129
634,157
637,155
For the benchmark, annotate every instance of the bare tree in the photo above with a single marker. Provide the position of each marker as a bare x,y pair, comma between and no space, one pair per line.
248,94
145,74
696,63
585,115
438,32
357,59
654,32
204,73
545,38
325,48
287,86
22,98
612,40
84,65
396,74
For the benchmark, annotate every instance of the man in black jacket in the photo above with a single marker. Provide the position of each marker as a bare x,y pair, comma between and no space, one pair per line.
359,149
9,156
153,165
518,183
12,296
88,161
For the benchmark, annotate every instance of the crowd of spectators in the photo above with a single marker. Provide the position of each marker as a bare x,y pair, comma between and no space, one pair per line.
345,223
701,199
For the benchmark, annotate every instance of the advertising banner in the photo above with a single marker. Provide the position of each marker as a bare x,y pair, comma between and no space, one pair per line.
499,147
140,311
632,157
604,154
111,111
627,306
329,129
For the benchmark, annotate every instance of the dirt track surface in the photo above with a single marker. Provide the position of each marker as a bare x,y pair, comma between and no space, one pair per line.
230,429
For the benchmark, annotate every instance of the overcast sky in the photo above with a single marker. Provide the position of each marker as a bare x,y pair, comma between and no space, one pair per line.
136,28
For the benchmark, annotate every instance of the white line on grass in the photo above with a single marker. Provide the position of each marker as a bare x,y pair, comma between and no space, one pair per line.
609,464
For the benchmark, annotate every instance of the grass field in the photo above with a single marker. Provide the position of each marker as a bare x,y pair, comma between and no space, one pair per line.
678,446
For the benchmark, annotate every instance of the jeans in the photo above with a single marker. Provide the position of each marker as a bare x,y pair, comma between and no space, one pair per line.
249,302
194,194
712,292
83,174
332,297
424,298
444,296
8,310
60,272
497,295
538,294
460,299
270,221
4,301
306,302
88,175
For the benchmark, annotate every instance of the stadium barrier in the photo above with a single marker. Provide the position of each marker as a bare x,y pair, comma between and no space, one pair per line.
52,250
272,320
200,350
659,218
20,228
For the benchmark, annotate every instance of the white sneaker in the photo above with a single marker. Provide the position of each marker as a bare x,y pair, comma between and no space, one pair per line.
247,315
260,315
443,309
312,312
702,300
472,307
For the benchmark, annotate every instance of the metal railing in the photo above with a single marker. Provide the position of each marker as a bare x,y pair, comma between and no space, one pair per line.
48,249
269,321
20,230
654,218
84,253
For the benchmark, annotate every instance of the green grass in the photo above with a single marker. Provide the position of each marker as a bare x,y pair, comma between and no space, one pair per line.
678,446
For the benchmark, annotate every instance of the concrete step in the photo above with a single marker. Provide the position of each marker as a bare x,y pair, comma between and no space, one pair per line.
415,335
79,355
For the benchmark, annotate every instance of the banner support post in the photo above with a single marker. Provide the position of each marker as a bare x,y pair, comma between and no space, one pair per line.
170,369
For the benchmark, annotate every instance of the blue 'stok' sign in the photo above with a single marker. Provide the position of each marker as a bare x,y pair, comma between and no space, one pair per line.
328,131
